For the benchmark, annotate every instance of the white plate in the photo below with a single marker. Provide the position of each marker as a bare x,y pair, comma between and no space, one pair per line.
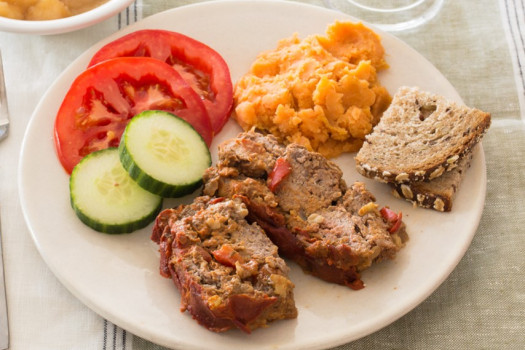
117,276
64,25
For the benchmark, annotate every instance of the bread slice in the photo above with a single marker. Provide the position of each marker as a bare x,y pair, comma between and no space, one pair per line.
438,193
420,136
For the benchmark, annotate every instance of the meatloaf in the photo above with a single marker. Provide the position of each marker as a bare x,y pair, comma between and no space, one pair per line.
228,272
300,199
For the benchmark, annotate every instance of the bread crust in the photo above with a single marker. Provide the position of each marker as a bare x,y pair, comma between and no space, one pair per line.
437,194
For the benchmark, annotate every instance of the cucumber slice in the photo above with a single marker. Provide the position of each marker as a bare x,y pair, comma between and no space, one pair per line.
164,154
106,198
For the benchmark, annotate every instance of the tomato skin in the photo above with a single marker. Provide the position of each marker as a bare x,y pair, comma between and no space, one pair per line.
392,218
388,214
281,170
202,67
103,98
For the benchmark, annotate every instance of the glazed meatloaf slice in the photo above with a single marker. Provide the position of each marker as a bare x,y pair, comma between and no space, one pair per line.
228,272
420,136
339,242
243,162
302,202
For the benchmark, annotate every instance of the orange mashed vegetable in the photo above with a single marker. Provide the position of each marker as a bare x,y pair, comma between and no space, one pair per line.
321,92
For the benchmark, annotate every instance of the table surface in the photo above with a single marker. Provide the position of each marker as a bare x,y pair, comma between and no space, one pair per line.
476,44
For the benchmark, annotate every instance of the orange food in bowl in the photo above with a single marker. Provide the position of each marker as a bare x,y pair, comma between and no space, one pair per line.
38,10
321,92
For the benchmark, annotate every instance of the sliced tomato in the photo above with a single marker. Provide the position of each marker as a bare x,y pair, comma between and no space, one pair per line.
103,98
202,67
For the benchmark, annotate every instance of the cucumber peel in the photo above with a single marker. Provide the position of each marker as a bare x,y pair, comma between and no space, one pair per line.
164,154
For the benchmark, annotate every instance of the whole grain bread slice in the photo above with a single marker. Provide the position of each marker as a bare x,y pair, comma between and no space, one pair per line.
420,137
437,194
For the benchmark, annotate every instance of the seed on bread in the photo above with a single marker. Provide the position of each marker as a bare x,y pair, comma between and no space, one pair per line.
407,192
402,177
439,205
436,173
420,137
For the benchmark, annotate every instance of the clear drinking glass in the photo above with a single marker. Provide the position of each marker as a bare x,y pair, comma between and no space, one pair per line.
389,15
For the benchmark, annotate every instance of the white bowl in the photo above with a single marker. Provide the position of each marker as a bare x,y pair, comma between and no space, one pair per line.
67,24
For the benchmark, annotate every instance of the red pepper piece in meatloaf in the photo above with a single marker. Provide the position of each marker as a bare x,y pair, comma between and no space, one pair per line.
227,270
331,230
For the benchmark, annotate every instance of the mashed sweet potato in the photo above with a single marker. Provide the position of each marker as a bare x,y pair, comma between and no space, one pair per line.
321,92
